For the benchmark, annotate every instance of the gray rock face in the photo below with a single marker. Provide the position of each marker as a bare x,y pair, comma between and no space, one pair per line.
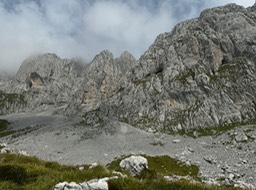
134,164
102,77
201,74
48,82
49,66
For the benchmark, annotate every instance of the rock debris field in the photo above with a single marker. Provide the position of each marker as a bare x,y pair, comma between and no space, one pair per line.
229,156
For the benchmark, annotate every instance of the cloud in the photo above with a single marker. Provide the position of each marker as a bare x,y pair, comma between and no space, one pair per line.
80,28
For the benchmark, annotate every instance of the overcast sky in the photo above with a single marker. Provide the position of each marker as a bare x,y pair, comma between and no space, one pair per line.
83,28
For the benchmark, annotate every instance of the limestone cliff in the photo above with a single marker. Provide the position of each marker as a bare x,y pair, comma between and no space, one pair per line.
201,74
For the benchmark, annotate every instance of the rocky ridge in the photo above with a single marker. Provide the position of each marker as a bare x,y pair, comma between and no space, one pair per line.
199,75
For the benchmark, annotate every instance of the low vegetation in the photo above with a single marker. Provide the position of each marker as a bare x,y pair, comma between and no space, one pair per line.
216,131
10,100
18,172
4,128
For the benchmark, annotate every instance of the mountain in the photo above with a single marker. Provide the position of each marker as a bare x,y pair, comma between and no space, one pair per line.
199,75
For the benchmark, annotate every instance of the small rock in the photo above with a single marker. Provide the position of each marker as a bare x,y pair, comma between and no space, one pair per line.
241,137
231,177
176,141
22,152
210,159
179,127
253,136
190,149
93,165
211,181
68,186
243,185
188,163
195,134
178,178
3,145
5,150
119,173
81,168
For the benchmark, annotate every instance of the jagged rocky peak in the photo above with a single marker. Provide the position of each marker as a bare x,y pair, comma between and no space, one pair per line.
126,55
41,64
102,78
48,66
125,61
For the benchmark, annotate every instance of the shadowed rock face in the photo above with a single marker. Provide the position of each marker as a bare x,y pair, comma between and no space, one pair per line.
201,74
34,80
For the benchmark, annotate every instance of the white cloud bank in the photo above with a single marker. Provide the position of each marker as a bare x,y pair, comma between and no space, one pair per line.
77,28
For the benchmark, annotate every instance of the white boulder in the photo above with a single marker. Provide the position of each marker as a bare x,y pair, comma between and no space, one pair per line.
134,164
94,184
241,137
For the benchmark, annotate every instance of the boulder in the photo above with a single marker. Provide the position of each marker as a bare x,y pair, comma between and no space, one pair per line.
94,184
134,164
176,141
241,137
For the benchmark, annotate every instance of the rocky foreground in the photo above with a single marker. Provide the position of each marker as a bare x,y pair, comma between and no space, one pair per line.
201,76
226,158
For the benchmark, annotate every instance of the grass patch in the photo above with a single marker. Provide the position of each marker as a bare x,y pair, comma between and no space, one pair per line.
18,172
160,184
8,99
139,82
24,172
216,131
3,124
184,76
163,165
231,71
4,128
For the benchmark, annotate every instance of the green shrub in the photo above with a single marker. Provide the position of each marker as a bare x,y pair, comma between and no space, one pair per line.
15,173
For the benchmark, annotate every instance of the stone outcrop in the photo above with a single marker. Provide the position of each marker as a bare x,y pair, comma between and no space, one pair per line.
94,184
134,164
